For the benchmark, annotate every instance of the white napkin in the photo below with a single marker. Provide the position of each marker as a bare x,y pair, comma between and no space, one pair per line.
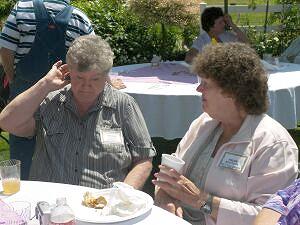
124,201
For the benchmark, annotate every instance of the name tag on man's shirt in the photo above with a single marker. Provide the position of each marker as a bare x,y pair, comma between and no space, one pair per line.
233,161
112,137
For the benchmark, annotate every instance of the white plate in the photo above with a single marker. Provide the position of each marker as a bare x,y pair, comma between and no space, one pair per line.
85,214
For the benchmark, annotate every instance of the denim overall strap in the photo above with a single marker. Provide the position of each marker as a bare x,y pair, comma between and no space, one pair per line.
48,47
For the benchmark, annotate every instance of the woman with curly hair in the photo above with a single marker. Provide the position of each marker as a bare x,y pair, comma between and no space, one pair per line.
236,156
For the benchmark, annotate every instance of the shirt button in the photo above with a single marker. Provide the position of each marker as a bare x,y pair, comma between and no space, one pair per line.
75,170
79,139
76,153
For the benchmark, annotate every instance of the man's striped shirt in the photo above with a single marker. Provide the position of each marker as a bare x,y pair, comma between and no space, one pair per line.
19,31
74,150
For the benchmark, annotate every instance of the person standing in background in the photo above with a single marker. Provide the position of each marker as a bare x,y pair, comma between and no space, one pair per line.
37,34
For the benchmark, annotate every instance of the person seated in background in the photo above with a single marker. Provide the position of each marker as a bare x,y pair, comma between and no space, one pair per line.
235,155
88,133
283,208
292,53
213,23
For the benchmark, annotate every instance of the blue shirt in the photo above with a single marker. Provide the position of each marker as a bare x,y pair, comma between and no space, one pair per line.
287,203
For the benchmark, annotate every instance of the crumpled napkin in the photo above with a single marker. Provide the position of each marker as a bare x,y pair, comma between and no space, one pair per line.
124,201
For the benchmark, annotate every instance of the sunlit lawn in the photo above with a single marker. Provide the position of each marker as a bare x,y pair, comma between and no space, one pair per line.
244,18
238,2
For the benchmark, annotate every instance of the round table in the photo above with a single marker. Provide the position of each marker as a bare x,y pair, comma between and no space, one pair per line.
169,105
34,191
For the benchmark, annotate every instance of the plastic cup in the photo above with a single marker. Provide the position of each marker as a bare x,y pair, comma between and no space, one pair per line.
173,162
10,175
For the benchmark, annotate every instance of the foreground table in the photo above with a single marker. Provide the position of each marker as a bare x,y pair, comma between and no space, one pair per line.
169,106
33,191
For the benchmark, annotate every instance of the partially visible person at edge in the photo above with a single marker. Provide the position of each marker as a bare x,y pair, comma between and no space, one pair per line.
88,133
213,23
283,208
236,156
292,53
37,34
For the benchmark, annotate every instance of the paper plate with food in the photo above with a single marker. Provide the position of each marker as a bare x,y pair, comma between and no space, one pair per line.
110,205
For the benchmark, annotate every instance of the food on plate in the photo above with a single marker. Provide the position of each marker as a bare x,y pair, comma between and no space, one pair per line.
93,202
121,202
118,83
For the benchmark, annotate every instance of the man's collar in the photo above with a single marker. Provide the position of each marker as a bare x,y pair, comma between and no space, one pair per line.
66,1
109,97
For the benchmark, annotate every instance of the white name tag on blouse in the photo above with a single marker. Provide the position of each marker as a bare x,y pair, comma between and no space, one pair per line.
111,137
233,161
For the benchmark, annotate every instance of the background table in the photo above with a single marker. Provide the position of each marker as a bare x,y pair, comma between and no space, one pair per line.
33,191
169,108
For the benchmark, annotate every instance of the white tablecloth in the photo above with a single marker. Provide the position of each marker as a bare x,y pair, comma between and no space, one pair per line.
33,191
169,109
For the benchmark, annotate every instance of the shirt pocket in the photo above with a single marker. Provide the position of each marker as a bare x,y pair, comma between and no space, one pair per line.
54,135
109,144
109,139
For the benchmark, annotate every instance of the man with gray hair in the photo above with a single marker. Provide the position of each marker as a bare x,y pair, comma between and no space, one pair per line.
88,133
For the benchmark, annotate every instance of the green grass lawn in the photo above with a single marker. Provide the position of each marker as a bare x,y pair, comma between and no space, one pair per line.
238,2
244,18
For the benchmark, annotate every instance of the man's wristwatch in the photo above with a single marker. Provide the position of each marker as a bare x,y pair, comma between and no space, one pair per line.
207,206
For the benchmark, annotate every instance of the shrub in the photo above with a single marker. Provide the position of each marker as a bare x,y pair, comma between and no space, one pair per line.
5,7
172,21
131,38
275,42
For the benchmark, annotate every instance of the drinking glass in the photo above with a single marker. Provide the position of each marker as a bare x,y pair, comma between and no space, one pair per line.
10,175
